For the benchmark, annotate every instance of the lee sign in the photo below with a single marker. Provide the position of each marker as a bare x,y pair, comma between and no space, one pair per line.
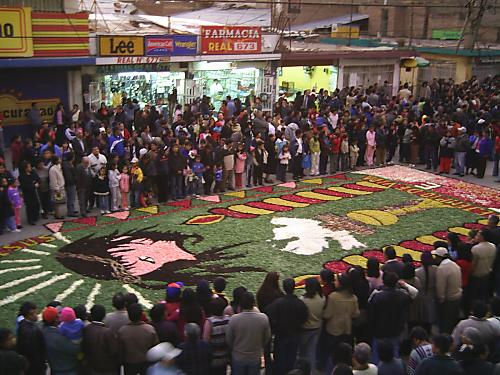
121,45
230,40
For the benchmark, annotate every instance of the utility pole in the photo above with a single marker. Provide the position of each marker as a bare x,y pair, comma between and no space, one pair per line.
350,24
472,23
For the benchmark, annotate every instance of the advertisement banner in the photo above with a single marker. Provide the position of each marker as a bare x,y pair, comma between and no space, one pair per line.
230,40
121,45
60,34
15,32
171,45
15,111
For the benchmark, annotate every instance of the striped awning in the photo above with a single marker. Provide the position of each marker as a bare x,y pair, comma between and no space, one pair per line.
60,34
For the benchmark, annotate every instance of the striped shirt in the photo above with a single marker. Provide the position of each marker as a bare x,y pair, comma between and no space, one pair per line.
417,355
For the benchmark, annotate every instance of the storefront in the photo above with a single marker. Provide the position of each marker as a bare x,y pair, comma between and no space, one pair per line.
219,79
148,83
299,78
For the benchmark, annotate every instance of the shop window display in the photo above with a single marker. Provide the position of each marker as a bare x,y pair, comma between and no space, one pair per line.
143,86
217,84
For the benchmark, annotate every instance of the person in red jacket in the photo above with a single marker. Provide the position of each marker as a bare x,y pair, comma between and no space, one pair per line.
335,142
16,148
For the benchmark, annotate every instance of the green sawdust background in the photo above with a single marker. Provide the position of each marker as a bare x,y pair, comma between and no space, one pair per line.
262,251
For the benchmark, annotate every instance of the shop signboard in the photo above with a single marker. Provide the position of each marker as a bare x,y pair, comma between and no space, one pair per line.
123,68
116,45
15,111
15,32
171,45
446,34
230,40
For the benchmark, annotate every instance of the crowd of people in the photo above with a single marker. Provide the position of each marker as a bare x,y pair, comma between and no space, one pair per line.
440,318
128,156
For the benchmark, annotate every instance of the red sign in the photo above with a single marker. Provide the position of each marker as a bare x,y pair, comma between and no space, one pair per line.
230,40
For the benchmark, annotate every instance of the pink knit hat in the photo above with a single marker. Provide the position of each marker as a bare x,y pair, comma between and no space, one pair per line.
67,315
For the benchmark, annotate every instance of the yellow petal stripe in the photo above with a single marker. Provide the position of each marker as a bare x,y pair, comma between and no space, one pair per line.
400,250
356,260
373,217
283,202
428,240
313,195
249,210
371,184
459,230
341,189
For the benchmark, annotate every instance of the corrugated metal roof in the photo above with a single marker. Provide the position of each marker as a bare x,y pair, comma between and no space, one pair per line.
327,23
37,5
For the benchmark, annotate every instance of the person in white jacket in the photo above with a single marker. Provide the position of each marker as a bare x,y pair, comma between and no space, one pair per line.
56,185
114,187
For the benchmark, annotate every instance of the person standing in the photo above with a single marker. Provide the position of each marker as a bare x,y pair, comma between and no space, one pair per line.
371,143
100,345
340,309
448,290
483,257
118,318
247,334
387,311
287,315
462,146
57,187
214,332
30,341
297,151
315,303
84,185
69,172
196,355
422,349
135,339
441,363
485,148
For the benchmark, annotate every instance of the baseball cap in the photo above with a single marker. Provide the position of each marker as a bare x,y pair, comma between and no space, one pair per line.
163,351
135,160
440,252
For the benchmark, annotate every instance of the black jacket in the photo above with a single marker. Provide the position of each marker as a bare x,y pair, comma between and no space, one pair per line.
31,344
69,172
176,163
387,312
287,315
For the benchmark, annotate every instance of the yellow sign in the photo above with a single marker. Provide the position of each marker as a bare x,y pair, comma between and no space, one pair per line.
342,32
121,45
15,111
15,32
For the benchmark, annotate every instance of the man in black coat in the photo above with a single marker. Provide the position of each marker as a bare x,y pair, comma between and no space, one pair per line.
30,341
79,147
287,316
84,184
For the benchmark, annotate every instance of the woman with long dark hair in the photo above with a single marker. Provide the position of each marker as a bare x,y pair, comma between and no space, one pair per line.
315,302
341,308
453,245
234,306
190,311
269,291
204,295
464,261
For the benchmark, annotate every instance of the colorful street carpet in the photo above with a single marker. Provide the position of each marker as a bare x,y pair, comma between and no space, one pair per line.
293,228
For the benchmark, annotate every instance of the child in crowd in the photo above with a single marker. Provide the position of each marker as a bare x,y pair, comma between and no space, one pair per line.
136,178
218,178
354,153
16,200
189,180
344,153
71,327
101,190
198,169
114,187
284,158
239,166
7,215
124,186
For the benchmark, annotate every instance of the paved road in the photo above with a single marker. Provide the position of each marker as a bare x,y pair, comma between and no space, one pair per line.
32,231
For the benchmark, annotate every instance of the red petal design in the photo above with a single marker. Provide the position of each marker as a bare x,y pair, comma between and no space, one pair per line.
233,214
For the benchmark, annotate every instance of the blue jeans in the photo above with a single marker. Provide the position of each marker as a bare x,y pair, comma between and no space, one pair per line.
10,223
308,340
70,199
103,202
135,194
460,162
392,340
245,368
176,185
